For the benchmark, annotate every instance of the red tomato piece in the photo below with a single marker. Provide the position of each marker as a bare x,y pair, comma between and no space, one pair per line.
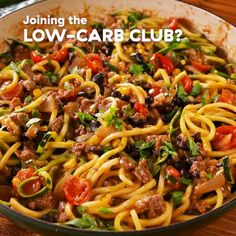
173,23
201,67
36,56
187,84
32,186
25,173
140,108
228,97
225,138
154,91
170,170
59,56
77,191
94,62
16,92
160,61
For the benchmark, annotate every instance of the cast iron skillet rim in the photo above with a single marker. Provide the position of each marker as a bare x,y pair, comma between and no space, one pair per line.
63,229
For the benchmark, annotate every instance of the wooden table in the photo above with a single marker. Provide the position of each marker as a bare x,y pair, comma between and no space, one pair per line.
226,225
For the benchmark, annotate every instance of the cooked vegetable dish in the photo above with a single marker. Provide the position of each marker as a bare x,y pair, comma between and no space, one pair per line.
117,136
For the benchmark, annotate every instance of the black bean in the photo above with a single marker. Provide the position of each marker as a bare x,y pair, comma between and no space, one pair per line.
137,122
184,173
116,94
86,95
96,149
98,78
134,154
99,28
177,101
149,100
94,124
178,164
196,136
139,58
125,98
108,48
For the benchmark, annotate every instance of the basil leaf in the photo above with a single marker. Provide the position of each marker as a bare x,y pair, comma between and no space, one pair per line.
182,94
85,118
177,197
136,69
81,210
196,90
193,147
113,119
144,148
186,181
87,222
227,171
171,179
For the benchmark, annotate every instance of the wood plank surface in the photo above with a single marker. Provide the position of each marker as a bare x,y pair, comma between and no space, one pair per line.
225,225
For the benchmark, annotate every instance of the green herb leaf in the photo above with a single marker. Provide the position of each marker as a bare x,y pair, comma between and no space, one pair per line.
196,90
81,209
186,181
204,98
113,119
35,113
227,171
144,148
111,67
171,179
136,69
193,147
6,55
28,99
85,118
104,210
128,110
177,197
182,94
87,222
51,76
106,149
209,176
133,17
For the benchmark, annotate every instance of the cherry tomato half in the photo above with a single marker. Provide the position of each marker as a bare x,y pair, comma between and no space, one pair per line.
77,190
173,23
36,56
25,173
16,92
94,62
154,91
201,67
187,84
160,61
140,108
225,138
59,56
32,186
227,96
